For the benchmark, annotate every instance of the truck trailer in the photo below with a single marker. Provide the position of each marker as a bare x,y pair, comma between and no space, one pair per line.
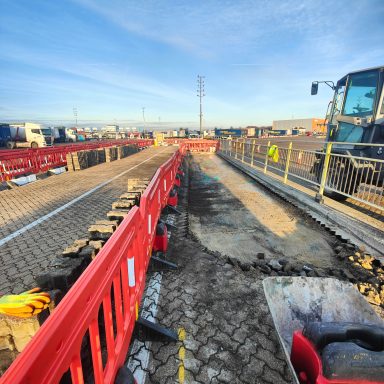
25,135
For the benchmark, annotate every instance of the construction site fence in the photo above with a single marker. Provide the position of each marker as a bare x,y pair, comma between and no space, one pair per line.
110,289
338,175
182,140
19,162
201,145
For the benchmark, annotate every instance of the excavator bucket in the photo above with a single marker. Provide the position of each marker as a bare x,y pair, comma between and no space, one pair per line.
294,302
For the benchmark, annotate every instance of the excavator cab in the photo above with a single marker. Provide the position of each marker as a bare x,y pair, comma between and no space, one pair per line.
356,116
357,111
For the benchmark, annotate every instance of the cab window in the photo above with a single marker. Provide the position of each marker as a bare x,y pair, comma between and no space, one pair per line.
361,94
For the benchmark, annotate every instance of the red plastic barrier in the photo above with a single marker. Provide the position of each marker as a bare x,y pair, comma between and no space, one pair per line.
172,141
14,163
195,145
201,145
120,267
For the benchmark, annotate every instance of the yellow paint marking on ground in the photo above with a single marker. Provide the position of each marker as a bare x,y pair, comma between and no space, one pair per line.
181,371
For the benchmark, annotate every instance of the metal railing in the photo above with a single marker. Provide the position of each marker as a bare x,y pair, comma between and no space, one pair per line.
339,176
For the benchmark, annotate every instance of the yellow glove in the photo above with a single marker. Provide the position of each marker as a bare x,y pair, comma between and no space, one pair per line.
26,304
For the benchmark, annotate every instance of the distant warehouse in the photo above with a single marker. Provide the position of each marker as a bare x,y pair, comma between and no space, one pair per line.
312,124
250,131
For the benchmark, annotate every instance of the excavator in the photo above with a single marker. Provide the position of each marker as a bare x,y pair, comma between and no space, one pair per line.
355,116
329,333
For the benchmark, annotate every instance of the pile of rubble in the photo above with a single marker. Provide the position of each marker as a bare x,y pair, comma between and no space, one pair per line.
360,268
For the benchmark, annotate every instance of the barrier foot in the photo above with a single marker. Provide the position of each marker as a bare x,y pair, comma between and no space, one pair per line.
169,225
173,209
146,330
157,264
124,376
319,198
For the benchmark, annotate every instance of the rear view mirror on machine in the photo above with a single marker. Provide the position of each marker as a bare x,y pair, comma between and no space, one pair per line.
314,88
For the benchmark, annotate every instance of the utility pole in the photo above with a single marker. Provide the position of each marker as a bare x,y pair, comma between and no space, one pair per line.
143,109
75,114
200,95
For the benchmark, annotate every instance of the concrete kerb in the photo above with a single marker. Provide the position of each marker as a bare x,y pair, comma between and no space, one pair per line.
342,226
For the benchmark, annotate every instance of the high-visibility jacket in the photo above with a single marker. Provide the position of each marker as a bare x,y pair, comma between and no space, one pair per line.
273,153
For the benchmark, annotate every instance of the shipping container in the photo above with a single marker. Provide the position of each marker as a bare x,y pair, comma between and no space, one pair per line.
229,132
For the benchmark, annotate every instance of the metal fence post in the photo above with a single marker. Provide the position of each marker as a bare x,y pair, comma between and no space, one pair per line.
230,147
242,158
325,171
253,150
266,158
287,162
236,148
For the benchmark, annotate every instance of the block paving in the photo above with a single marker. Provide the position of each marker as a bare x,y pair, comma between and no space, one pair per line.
29,254
229,333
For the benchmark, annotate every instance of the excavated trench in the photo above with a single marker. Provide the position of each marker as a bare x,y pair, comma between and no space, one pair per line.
252,228
231,234
233,215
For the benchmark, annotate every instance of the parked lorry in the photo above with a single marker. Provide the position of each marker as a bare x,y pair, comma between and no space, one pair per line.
63,135
59,134
75,134
356,116
25,135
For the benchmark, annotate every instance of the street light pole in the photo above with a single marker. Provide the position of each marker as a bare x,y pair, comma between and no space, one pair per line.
75,114
144,119
200,94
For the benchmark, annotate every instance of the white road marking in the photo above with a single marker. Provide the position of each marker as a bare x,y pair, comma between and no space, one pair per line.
40,220
139,363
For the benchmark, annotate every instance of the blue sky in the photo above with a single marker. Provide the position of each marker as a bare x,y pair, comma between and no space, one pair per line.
110,58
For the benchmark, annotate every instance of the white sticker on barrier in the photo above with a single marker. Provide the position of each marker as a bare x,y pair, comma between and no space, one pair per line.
131,272
149,224
165,185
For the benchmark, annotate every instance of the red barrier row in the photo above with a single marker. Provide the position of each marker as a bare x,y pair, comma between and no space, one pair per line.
19,162
117,272
14,153
195,145
171,141
201,145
